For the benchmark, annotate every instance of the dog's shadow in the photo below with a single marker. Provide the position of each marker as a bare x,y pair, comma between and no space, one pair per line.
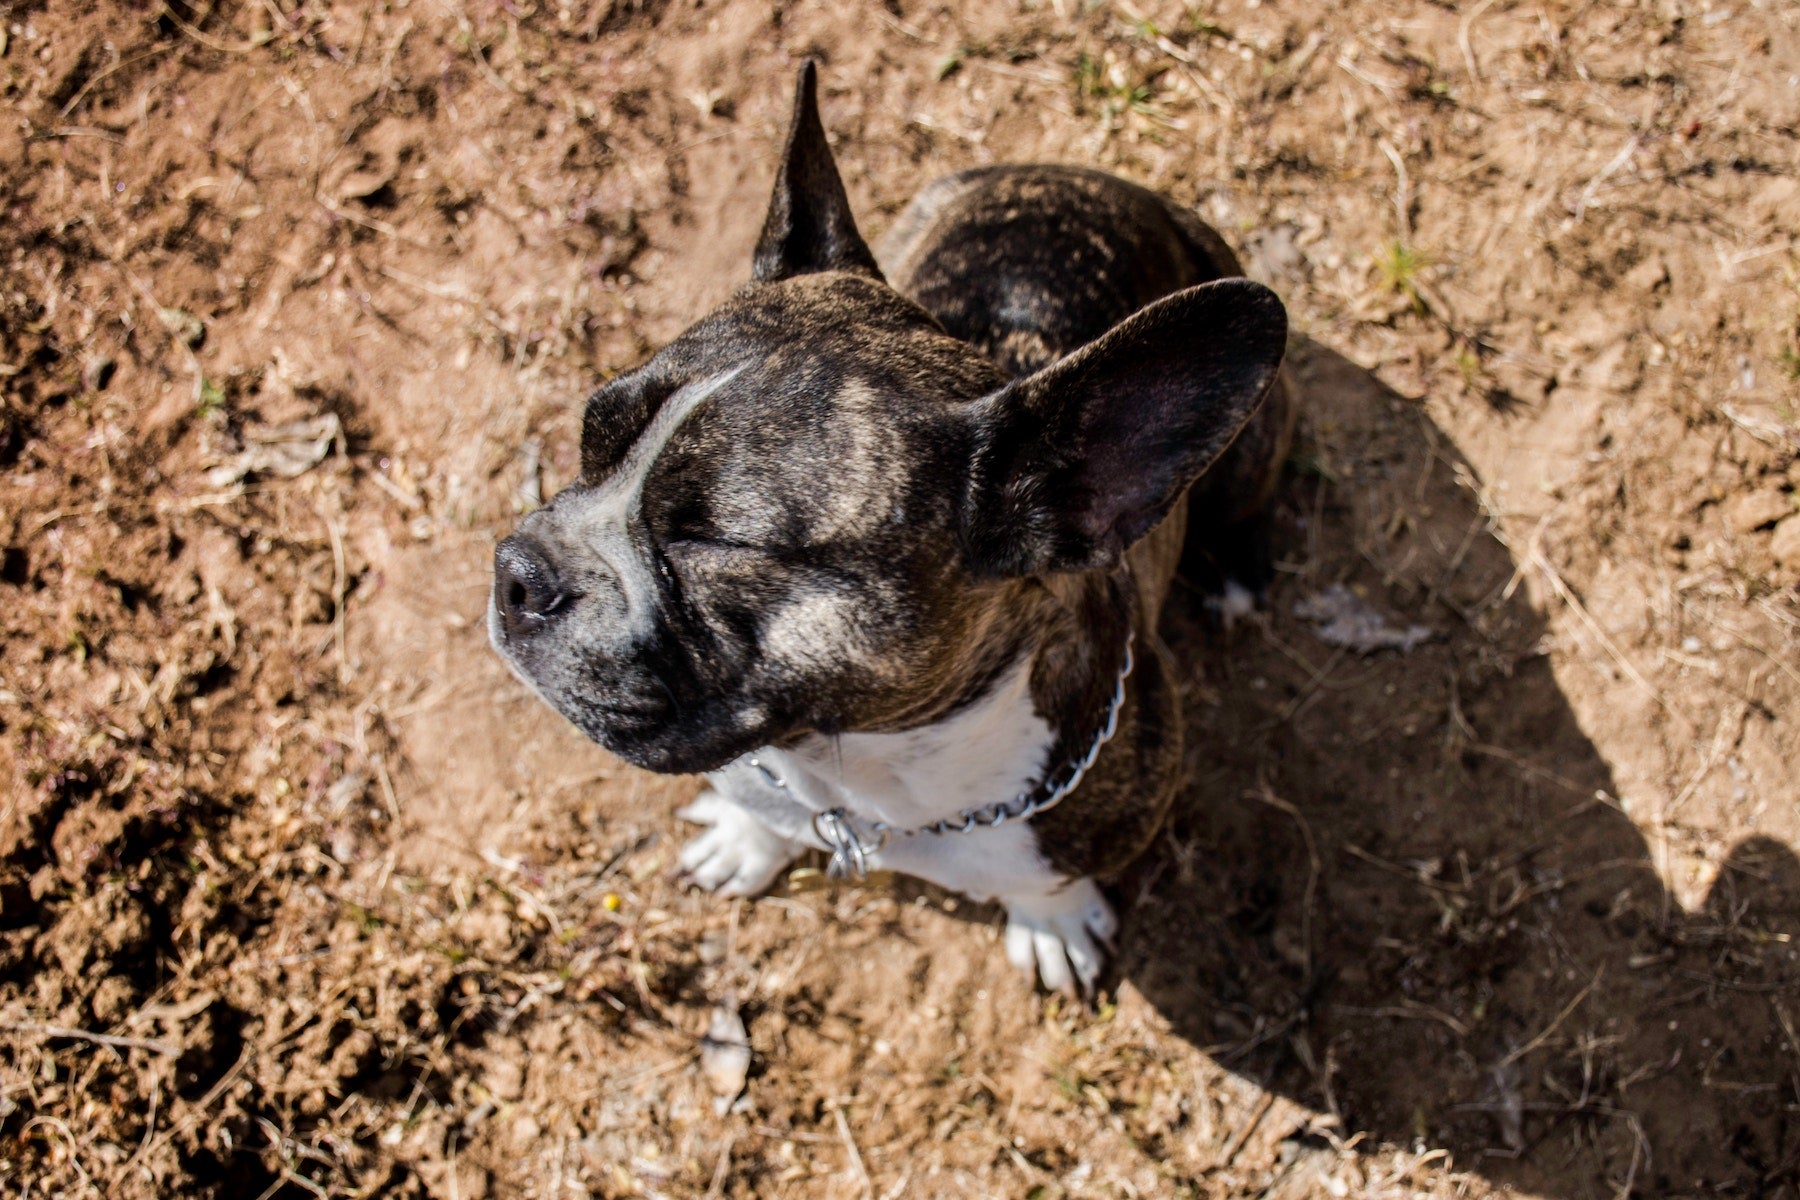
1401,887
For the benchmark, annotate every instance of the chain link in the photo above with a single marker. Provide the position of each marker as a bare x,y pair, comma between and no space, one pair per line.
850,849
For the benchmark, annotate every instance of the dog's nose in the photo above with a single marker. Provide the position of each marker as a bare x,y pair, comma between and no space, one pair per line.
526,588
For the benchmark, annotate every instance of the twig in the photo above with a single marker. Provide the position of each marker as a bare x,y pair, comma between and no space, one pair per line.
899,26
69,131
1313,686
1356,851
339,586
1793,1040
150,1120
161,507
1264,794
1247,1128
1538,559
1402,188
104,1039
1526,767
197,1110
450,294
62,1127
1770,433
1410,1010
289,1175
1726,719
638,1076
1462,38
1612,168
97,76
407,499
1551,1028
1192,67
379,226
790,1135
720,1172
387,787
1357,73
1780,662
255,41
856,1160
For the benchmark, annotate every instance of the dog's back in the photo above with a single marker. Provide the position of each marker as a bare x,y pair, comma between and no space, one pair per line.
1029,263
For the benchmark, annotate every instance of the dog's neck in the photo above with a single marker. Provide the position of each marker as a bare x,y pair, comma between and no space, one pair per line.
1039,713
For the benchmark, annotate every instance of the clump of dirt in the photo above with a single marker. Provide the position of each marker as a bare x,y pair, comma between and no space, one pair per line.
302,895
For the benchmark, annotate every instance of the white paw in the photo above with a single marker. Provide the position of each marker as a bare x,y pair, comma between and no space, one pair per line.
737,855
1062,938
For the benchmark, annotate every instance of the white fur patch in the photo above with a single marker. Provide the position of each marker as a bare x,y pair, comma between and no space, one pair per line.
991,750
598,519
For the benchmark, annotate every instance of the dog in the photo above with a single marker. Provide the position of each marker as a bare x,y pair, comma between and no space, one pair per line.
880,547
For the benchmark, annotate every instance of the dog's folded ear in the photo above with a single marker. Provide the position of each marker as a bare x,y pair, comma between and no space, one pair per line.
1075,463
809,227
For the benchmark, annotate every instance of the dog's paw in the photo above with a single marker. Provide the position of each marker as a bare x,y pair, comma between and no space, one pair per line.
1063,938
1233,603
737,855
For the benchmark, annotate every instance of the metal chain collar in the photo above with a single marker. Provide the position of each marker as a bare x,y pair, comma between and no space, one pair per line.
850,849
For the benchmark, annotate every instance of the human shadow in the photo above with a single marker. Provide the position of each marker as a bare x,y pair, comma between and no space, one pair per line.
1400,887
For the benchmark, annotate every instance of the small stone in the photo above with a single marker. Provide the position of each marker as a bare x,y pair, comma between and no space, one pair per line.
725,1055
97,372
187,328
525,1131
360,185
1649,275
1785,545
1754,510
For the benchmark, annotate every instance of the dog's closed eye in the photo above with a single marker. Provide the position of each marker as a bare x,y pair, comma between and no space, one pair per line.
691,547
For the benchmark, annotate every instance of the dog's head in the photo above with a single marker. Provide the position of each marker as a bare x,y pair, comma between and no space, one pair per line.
801,515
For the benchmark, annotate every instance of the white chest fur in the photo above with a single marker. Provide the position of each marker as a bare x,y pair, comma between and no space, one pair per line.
991,750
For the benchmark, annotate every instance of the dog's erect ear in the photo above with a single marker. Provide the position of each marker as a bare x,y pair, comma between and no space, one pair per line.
1075,463
809,227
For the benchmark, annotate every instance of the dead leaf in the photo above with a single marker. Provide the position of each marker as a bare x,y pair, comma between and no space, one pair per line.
1346,619
283,451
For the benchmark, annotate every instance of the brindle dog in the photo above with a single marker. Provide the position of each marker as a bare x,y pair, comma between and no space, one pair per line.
884,556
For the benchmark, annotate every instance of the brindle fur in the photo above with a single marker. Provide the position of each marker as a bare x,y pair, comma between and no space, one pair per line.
1029,263
834,507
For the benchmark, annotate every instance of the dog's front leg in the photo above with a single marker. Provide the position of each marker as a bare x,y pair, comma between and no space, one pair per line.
747,841
1057,929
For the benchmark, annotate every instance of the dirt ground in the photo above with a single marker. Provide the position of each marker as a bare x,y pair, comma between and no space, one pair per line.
302,895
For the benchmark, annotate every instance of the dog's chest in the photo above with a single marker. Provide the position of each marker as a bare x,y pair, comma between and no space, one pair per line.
991,750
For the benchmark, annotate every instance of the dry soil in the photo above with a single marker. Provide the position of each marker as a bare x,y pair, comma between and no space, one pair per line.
301,895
